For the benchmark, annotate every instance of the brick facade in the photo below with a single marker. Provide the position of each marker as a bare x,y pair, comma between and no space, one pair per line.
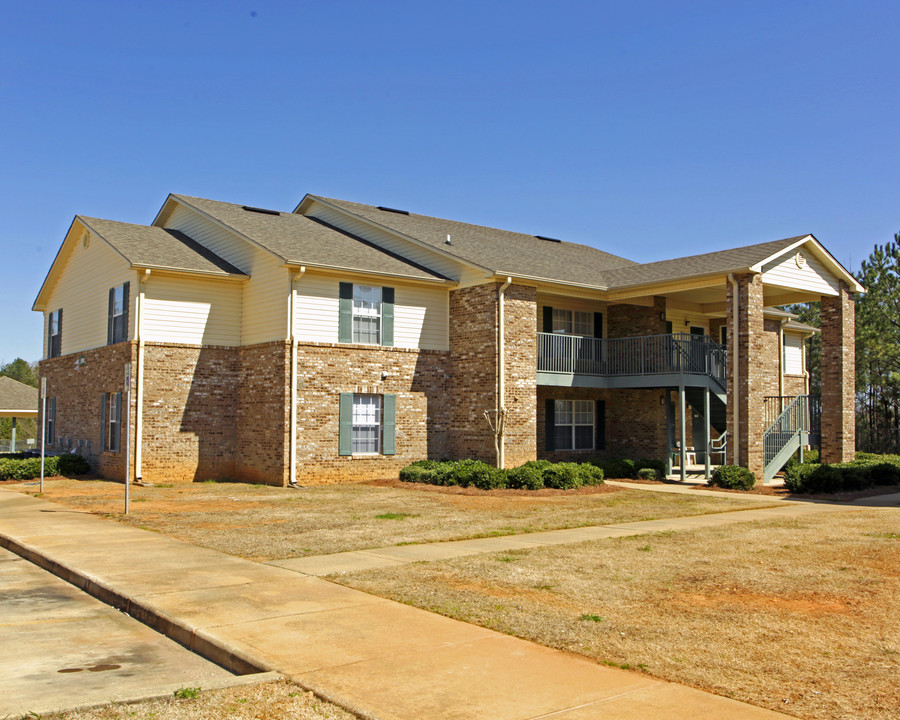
838,377
636,320
520,345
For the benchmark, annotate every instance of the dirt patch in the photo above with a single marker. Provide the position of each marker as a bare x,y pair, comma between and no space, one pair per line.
795,615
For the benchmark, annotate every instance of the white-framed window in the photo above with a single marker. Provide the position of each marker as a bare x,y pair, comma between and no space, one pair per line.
793,354
367,314
54,334
574,421
117,330
366,424
111,421
573,322
50,422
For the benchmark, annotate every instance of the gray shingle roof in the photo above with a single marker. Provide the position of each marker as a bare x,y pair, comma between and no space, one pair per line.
500,251
154,247
302,240
17,396
722,261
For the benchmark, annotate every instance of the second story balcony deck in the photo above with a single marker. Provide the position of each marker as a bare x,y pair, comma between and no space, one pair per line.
631,362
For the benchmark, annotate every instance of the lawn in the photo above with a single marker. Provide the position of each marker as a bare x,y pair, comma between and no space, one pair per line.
280,699
266,523
799,616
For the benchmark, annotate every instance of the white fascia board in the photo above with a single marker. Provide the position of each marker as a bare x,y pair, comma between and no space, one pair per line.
833,265
373,273
309,199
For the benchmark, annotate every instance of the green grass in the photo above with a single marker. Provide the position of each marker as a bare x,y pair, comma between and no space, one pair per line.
394,516
187,693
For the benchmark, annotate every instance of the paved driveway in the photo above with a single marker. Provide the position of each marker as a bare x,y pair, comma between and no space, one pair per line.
61,648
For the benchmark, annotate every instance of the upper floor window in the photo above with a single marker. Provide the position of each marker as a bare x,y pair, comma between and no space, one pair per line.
117,320
561,321
366,314
54,334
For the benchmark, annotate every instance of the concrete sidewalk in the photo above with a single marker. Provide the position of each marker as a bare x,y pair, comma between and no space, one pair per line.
372,656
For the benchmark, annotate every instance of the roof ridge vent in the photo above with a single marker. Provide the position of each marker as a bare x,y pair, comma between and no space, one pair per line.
250,208
393,210
548,239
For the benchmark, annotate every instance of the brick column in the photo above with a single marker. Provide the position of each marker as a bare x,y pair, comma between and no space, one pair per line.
838,377
752,371
520,331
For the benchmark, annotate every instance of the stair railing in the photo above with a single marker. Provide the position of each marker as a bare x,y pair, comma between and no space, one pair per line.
795,418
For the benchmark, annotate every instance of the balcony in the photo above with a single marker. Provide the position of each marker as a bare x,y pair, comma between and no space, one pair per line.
632,362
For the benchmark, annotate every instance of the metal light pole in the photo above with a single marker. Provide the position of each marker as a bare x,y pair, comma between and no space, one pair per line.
43,426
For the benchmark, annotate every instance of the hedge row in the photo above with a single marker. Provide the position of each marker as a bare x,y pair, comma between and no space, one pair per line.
532,475
868,470
26,468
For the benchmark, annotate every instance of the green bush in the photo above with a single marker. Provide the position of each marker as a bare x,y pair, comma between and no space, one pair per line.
563,476
796,474
647,474
525,477
825,479
650,464
885,474
417,474
487,477
590,474
70,465
733,477
27,468
618,468
465,472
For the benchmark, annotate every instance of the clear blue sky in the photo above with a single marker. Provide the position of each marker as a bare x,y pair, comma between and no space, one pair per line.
648,129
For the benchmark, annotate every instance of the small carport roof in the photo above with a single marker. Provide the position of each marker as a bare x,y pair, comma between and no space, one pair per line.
17,399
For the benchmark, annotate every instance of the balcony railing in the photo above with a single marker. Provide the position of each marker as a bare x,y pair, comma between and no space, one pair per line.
678,353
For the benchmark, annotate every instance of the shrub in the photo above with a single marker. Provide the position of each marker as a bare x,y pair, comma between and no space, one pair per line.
27,468
525,477
796,475
464,472
618,468
651,464
563,476
69,465
825,479
647,474
885,474
487,477
417,474
733,477
854,477
590,474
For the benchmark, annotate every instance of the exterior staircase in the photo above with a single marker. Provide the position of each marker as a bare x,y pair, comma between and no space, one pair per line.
798,425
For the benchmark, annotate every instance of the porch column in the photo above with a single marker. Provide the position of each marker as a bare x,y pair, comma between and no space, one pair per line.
706,438
746,390
670,431
682,431
838,377
12,441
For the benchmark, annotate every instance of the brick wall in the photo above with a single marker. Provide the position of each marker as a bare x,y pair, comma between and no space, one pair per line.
770,358
418,378
520,341
838,377
188,412
634,320
77,389
794,385
262,413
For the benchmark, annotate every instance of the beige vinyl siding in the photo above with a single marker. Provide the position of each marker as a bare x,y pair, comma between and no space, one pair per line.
679,317
264,303
421,314
813,277
192,310
82,291
793,354
409,250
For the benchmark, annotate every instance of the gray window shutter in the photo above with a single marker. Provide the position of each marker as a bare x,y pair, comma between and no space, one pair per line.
550,425
345,317
115,440
389,425
58,348
345,423
49,336
600,425
548,319
103,421
387,316
109,317
125,292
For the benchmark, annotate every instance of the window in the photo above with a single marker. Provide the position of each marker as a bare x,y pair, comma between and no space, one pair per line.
366,424
117,320
574,421
110,421
569,322
54,333
793,354
50,422
367,314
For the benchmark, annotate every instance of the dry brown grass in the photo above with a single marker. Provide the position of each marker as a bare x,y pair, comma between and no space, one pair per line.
280,699
799,616
266,523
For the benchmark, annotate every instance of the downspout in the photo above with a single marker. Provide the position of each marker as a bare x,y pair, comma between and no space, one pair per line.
781,360
501,371
294,276
139,393
735,368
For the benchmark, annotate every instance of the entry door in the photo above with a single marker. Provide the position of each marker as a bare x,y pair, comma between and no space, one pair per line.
698,356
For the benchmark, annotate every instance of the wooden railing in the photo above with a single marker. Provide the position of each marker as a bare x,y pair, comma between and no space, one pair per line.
678,353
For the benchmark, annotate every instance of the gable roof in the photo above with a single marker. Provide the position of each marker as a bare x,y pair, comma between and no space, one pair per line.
502,252
713,263
145,246
17,397
302,240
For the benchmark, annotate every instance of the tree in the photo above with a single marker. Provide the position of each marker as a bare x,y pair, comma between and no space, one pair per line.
22,371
